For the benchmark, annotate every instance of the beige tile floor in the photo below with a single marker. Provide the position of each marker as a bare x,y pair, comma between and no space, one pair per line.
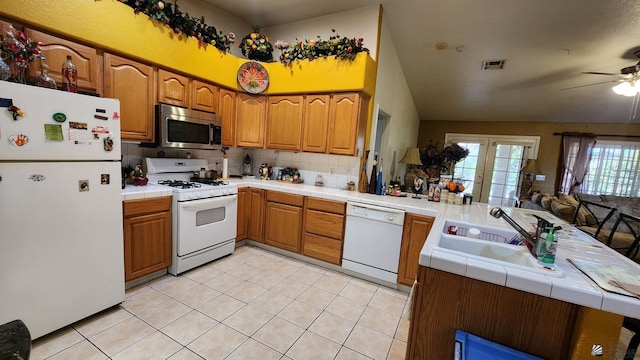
253,304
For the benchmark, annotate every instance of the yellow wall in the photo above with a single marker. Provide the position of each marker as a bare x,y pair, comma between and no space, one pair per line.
113,26
549,144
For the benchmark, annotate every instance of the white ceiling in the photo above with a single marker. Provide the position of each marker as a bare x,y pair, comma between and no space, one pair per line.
547,44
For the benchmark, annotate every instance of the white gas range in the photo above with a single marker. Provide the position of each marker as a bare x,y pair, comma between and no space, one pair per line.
204,212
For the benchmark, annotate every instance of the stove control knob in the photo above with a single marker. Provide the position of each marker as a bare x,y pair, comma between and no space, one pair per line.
213,193
192,196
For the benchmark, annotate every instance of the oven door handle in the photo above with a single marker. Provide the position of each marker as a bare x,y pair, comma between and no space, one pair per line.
206,204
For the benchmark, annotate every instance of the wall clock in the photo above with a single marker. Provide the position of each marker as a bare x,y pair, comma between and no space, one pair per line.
253,77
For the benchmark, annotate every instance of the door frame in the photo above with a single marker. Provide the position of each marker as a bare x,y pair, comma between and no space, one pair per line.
484,168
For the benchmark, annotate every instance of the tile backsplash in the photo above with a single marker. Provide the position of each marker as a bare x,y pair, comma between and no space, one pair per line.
336,170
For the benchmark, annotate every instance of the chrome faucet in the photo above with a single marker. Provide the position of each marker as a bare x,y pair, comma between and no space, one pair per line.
498,213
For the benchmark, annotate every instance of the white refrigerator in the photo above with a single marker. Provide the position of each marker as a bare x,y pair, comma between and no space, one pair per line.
61,246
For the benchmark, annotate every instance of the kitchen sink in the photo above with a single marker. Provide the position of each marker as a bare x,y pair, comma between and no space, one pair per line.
493,251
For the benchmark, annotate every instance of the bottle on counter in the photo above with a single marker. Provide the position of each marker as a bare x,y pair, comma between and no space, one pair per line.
379,180
547,255
374,173
44,80
69,76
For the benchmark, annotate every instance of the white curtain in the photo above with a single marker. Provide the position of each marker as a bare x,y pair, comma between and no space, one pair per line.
576,156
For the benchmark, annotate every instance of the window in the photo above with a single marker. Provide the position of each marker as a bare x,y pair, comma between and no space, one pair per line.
614,169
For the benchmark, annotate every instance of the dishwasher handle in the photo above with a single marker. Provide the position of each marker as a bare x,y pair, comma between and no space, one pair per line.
375,213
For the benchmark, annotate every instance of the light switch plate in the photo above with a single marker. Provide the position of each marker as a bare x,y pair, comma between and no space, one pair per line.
540,177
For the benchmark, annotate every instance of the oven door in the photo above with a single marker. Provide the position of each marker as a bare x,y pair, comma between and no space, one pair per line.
206,222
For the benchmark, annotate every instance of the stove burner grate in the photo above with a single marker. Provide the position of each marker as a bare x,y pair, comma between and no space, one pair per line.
212,182
179,184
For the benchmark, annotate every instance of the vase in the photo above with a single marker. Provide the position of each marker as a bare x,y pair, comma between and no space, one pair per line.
5,69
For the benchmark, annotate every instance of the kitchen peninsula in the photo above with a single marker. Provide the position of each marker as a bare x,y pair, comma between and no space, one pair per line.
502,304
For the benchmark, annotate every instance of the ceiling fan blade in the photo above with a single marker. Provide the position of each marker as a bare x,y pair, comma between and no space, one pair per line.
599,73
598,83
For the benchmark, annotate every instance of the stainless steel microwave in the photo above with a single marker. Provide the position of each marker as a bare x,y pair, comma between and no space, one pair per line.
187,129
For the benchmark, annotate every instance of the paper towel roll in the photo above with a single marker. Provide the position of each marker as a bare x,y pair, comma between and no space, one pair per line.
225,168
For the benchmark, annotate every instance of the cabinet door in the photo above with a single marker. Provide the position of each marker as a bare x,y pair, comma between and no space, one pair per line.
134,84
174,89
56,50
250,120
205,96
255,212
415,232
348,120
316,123
284,122
147,236
241,232
283,226
227,107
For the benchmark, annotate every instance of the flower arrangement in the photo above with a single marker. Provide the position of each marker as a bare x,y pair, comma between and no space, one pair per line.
20,51
256,46
341,47
441,159
181,22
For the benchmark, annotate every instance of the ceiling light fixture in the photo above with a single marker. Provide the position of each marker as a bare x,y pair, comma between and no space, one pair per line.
627,88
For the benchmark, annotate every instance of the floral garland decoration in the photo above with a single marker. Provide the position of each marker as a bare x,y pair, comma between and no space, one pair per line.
20,50
182,23
342,48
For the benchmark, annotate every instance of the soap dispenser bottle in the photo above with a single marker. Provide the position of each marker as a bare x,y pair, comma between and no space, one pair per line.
549,257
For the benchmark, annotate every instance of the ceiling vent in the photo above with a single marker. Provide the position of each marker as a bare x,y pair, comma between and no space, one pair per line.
493,64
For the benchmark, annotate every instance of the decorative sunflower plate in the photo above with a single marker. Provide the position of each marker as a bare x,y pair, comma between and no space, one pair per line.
253,77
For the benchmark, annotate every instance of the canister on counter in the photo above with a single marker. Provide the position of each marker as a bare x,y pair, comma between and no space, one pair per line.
466,199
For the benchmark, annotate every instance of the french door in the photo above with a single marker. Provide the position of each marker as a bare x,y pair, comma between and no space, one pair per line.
491,172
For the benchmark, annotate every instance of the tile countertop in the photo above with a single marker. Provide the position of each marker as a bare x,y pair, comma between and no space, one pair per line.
574,288
132,192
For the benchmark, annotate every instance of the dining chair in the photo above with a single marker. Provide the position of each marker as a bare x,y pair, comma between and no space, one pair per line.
596,215
625,235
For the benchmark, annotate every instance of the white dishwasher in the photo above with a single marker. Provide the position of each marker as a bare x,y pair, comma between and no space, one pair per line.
372,240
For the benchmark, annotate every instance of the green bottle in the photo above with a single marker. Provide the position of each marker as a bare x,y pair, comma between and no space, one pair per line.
549,257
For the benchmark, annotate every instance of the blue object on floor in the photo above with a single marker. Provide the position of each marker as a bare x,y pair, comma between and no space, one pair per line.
471,347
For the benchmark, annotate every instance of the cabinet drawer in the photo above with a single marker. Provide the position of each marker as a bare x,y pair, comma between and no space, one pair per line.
326,224
322,248
332,206
146,206
284,198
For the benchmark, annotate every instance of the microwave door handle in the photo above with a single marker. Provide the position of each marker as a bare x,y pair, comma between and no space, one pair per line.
211,134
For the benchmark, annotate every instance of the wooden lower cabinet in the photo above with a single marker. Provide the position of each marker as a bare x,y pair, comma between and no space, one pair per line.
323,234
415,232
147,236
283,220
445,302
255,214
241,230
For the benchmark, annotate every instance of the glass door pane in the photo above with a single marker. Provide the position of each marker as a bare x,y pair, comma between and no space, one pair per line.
470,170
505,174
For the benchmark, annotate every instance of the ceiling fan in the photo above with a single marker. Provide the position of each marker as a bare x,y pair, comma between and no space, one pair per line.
629,83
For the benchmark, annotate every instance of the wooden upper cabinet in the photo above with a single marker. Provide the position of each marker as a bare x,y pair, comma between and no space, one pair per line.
133,83
284,122
56,50
316,123
227,111
250,112
348,122
204,96
174,89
